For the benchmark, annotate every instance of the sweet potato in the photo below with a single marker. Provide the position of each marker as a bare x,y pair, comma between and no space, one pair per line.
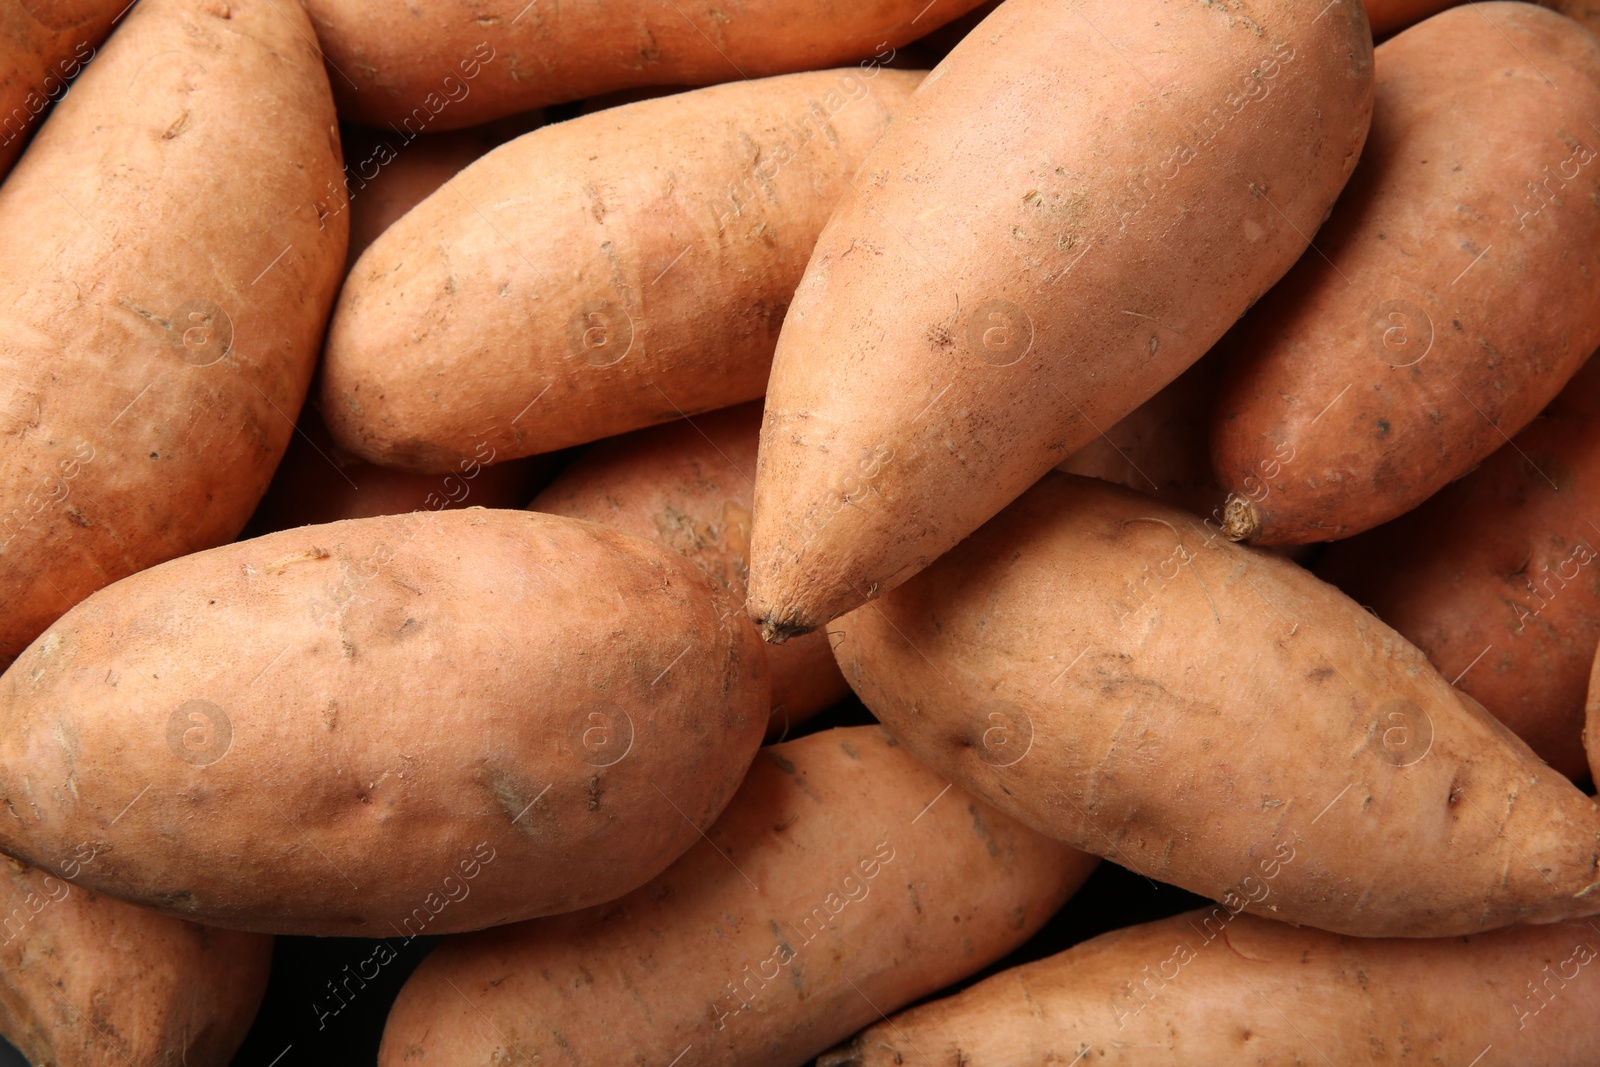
687,484
451,63
89,981
1494,577
319,482
1072,208
1215,990
1452,293
171,272
1584,12
341,729
839,838
43,46
1100,666
597,276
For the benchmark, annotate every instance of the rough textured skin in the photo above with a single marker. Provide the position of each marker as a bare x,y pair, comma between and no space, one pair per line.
687,484
172,268
841,882
320,482
1450,298
1204,990
332,721
1161,447
1591,722
43,46
1077,202
88,981
1585,12
1391,16
1096,664
1497,576
459,62
596,276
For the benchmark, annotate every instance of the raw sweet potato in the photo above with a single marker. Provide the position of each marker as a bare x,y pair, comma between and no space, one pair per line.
88,981
597,276
1076,203
451,63
1452,293
687,484
1098,665
43,46
843,881
359,727
320,482
1217,990
1495,576
171,271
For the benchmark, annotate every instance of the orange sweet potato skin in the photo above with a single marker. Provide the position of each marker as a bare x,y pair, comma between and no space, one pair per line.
1496,576
172,272
841,880
597,276
452,63
688,485
1098,665
1214,990
322,725
89,981
1452,294
1074,206
43,46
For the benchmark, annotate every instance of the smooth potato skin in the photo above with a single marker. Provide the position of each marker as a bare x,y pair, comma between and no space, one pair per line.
1391,363
88,981
400,694
1495,576
1204,990
160,189
1100,666
506,56
914,897
43,46
1040,242
687,484
623,269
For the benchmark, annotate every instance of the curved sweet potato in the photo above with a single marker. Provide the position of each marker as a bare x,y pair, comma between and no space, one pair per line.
358,727
1214,990
171,274
597,276
1073,207
1094,663
1495,576
89,981
841,882
442,64
43,46
1452,293
687,484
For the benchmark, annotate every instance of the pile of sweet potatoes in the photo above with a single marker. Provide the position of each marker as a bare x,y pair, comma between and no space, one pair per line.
631,533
